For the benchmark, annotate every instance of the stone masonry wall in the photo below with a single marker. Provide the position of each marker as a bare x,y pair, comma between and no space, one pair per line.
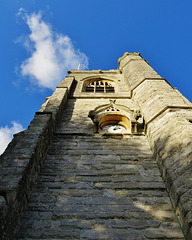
169,129
76,120
93,187
173,149
22,161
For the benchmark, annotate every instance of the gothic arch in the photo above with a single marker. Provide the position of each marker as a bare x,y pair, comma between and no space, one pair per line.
98,84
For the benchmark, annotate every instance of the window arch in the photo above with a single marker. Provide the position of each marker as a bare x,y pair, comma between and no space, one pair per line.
99,85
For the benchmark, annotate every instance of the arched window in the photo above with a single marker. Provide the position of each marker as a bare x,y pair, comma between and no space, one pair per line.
99,85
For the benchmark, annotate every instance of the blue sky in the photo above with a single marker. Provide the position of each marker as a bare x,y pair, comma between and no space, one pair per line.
58,34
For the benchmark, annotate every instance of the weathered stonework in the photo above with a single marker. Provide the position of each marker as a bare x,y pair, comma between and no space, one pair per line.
92,187
77,182
20,164
168,116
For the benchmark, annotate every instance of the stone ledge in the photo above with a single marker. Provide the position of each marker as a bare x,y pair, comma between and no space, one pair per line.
137,70
155,97
150,79
164,109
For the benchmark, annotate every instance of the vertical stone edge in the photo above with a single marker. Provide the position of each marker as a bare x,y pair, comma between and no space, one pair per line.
168,117
21,162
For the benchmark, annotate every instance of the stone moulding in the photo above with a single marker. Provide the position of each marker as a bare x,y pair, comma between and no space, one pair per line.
167,108
113,113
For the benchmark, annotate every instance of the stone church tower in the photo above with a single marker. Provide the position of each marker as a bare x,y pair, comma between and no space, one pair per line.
108,156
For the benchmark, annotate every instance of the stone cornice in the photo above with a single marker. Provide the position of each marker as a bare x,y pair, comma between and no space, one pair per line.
160,78
164,109
112,71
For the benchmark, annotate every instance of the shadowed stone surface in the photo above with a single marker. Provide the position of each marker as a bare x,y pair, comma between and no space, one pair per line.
93,187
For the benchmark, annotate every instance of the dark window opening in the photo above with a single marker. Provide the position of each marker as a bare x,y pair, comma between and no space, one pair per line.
110,89
100,89
99,86
89,89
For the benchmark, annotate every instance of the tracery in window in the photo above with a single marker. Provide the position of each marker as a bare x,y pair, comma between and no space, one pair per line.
99,86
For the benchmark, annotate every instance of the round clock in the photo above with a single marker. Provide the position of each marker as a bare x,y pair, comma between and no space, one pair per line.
114,128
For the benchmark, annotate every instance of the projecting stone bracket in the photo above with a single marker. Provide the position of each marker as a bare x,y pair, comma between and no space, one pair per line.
116,114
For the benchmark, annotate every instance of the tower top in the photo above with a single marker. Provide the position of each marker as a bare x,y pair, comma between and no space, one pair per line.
86,138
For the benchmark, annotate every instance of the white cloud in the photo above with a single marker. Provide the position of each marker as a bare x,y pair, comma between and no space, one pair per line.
6,134
52,54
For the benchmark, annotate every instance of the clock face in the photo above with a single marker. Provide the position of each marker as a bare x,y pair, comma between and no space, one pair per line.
114,128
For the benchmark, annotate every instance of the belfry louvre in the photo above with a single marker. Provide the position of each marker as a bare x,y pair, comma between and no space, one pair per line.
108,156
